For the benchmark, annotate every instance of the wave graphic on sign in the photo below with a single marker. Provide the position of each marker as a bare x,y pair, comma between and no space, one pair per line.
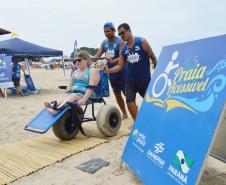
218,67
201,103
183,162
214,87
168,104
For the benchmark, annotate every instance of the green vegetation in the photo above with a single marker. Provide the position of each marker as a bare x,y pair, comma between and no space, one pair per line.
91,51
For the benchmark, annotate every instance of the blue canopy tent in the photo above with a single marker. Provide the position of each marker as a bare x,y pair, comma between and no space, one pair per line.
19,47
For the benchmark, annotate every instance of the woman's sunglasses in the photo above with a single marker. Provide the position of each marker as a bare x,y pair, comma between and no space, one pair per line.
78,60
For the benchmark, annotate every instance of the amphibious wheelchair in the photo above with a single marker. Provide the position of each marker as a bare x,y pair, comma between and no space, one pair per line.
68,122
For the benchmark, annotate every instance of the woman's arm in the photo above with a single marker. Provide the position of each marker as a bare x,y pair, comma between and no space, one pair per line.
93,81
71,82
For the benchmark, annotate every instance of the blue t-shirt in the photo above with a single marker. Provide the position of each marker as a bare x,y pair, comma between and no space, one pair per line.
112,49
16,71
137,62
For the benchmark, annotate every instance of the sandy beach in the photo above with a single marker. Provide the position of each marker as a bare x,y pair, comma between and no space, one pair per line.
16,112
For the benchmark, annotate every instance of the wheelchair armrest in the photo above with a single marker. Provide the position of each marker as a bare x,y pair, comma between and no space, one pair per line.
62,87
92,87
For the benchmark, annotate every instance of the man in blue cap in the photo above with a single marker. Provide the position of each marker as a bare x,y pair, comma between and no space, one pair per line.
1,93
111,47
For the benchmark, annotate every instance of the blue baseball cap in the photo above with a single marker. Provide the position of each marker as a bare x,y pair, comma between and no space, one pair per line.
109,25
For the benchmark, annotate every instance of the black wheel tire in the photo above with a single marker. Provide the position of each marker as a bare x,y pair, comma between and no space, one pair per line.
108,120
64,129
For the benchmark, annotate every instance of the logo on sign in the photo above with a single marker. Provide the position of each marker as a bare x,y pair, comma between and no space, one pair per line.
154,156
2,75
139,140
184,163
159,148
188,85
2,63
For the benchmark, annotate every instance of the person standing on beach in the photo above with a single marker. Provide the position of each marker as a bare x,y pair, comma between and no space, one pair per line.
111,47
16,68
1,93
135,54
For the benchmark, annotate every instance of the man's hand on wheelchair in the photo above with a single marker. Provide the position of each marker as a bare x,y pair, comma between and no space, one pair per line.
106,69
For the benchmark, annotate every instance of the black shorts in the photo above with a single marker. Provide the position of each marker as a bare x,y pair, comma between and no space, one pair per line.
16,82
118,85
133,88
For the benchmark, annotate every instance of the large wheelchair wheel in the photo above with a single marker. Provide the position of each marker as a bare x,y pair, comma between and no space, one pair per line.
64,129
108,120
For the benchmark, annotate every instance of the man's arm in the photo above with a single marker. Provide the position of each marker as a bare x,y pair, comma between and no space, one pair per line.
149,51
12,69
22,67
100,51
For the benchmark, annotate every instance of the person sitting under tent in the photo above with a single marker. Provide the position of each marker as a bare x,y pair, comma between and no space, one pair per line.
16,68
82,84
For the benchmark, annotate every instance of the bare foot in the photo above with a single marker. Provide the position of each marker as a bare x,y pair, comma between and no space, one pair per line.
53,112
47,105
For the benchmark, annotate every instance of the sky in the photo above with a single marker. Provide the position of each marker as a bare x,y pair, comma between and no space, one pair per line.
58,23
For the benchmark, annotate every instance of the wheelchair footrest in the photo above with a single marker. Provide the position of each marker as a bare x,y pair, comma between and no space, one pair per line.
44,120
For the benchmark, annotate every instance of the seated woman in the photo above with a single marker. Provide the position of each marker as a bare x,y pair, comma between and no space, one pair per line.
79,88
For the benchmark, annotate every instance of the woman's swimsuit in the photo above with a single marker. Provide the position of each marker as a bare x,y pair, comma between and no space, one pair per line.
81,83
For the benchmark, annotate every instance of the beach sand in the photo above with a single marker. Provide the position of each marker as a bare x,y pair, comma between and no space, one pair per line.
16,112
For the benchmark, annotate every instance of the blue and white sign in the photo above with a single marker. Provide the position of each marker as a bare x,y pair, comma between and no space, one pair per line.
5,69
179,115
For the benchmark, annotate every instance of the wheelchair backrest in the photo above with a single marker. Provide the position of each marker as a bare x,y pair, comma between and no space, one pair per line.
103,86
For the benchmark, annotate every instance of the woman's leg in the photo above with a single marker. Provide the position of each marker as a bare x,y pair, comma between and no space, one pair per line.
69,98
59,101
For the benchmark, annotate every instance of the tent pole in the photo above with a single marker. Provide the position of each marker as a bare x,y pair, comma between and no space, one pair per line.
75,49
63,67
27,65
